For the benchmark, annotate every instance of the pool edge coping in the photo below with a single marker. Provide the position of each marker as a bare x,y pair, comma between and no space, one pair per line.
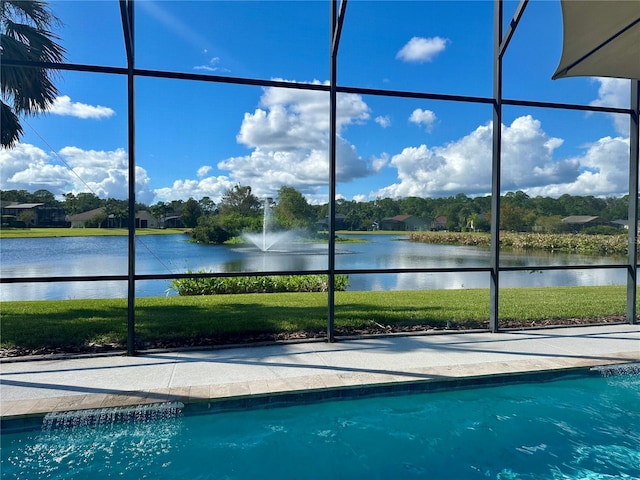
22,415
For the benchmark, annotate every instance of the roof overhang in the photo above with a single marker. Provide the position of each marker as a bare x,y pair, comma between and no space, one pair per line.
601,38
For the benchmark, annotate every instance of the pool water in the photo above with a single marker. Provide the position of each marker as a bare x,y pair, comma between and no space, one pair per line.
576,428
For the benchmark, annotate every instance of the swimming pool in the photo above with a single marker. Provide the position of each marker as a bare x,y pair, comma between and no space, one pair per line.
585,427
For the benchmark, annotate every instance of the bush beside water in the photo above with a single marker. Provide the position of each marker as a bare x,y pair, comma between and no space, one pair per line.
560,242
258,284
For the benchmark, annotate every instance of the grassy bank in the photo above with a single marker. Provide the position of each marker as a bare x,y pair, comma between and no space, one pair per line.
372,232
82,232
81,325
104,232
551,242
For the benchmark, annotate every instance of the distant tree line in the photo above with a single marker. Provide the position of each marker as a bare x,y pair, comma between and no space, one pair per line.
240,210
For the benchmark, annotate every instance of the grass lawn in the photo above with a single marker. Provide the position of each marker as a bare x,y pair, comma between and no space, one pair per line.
103,232
82,232
77,325
372,232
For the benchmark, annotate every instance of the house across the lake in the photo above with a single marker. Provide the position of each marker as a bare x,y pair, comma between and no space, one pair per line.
33,214
404,223
144,219
340,221
440,223
98,218
171,221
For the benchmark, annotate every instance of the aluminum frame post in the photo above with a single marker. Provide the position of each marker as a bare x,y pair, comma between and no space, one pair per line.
494,286
126,11
331,266
632,251
337,20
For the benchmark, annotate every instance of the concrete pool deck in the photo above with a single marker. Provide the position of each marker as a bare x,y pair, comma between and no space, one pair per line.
30,388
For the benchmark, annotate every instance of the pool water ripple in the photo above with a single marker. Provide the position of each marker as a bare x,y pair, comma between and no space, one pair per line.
587,428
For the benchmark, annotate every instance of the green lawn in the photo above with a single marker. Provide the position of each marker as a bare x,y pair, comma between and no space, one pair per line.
82,232
74,325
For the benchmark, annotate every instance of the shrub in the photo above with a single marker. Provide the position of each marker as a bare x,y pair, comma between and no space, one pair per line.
604,230
210,234
552,242
257,284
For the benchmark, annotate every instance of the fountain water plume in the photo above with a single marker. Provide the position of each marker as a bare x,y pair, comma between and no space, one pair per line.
268,238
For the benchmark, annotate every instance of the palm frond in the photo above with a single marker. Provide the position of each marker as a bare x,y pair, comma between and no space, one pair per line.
26,38
11,128
34,12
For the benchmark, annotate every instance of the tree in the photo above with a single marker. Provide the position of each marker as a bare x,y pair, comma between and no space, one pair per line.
549,224
415,206
118,210
208,231
387,207
207,205
20,196
27,217
191,212
354,218
98,220
26,36
547,206
517,199
292,210
617,208
44,196
456,216
513,218
160,210
83,202
87,201
240,200
176,206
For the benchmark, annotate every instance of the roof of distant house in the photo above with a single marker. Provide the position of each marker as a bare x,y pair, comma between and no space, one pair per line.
89,215
397,218
21,206
579,219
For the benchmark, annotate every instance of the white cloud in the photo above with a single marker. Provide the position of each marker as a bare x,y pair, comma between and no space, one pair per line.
420,49
104,173
64,106
288,135
425,118
212,66
297,119
383,121
203,171
465,165
614,92
603,171
289,138
212,187
378,163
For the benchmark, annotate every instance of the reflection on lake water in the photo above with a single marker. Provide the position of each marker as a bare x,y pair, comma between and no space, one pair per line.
166,254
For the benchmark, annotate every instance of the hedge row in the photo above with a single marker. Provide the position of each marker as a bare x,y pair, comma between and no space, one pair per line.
257,284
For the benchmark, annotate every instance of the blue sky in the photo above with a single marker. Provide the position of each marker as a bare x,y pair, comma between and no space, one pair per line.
196,139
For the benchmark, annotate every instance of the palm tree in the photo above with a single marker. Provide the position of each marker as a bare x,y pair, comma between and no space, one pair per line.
26,36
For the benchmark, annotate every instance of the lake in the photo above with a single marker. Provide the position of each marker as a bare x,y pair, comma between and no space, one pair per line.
170,254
